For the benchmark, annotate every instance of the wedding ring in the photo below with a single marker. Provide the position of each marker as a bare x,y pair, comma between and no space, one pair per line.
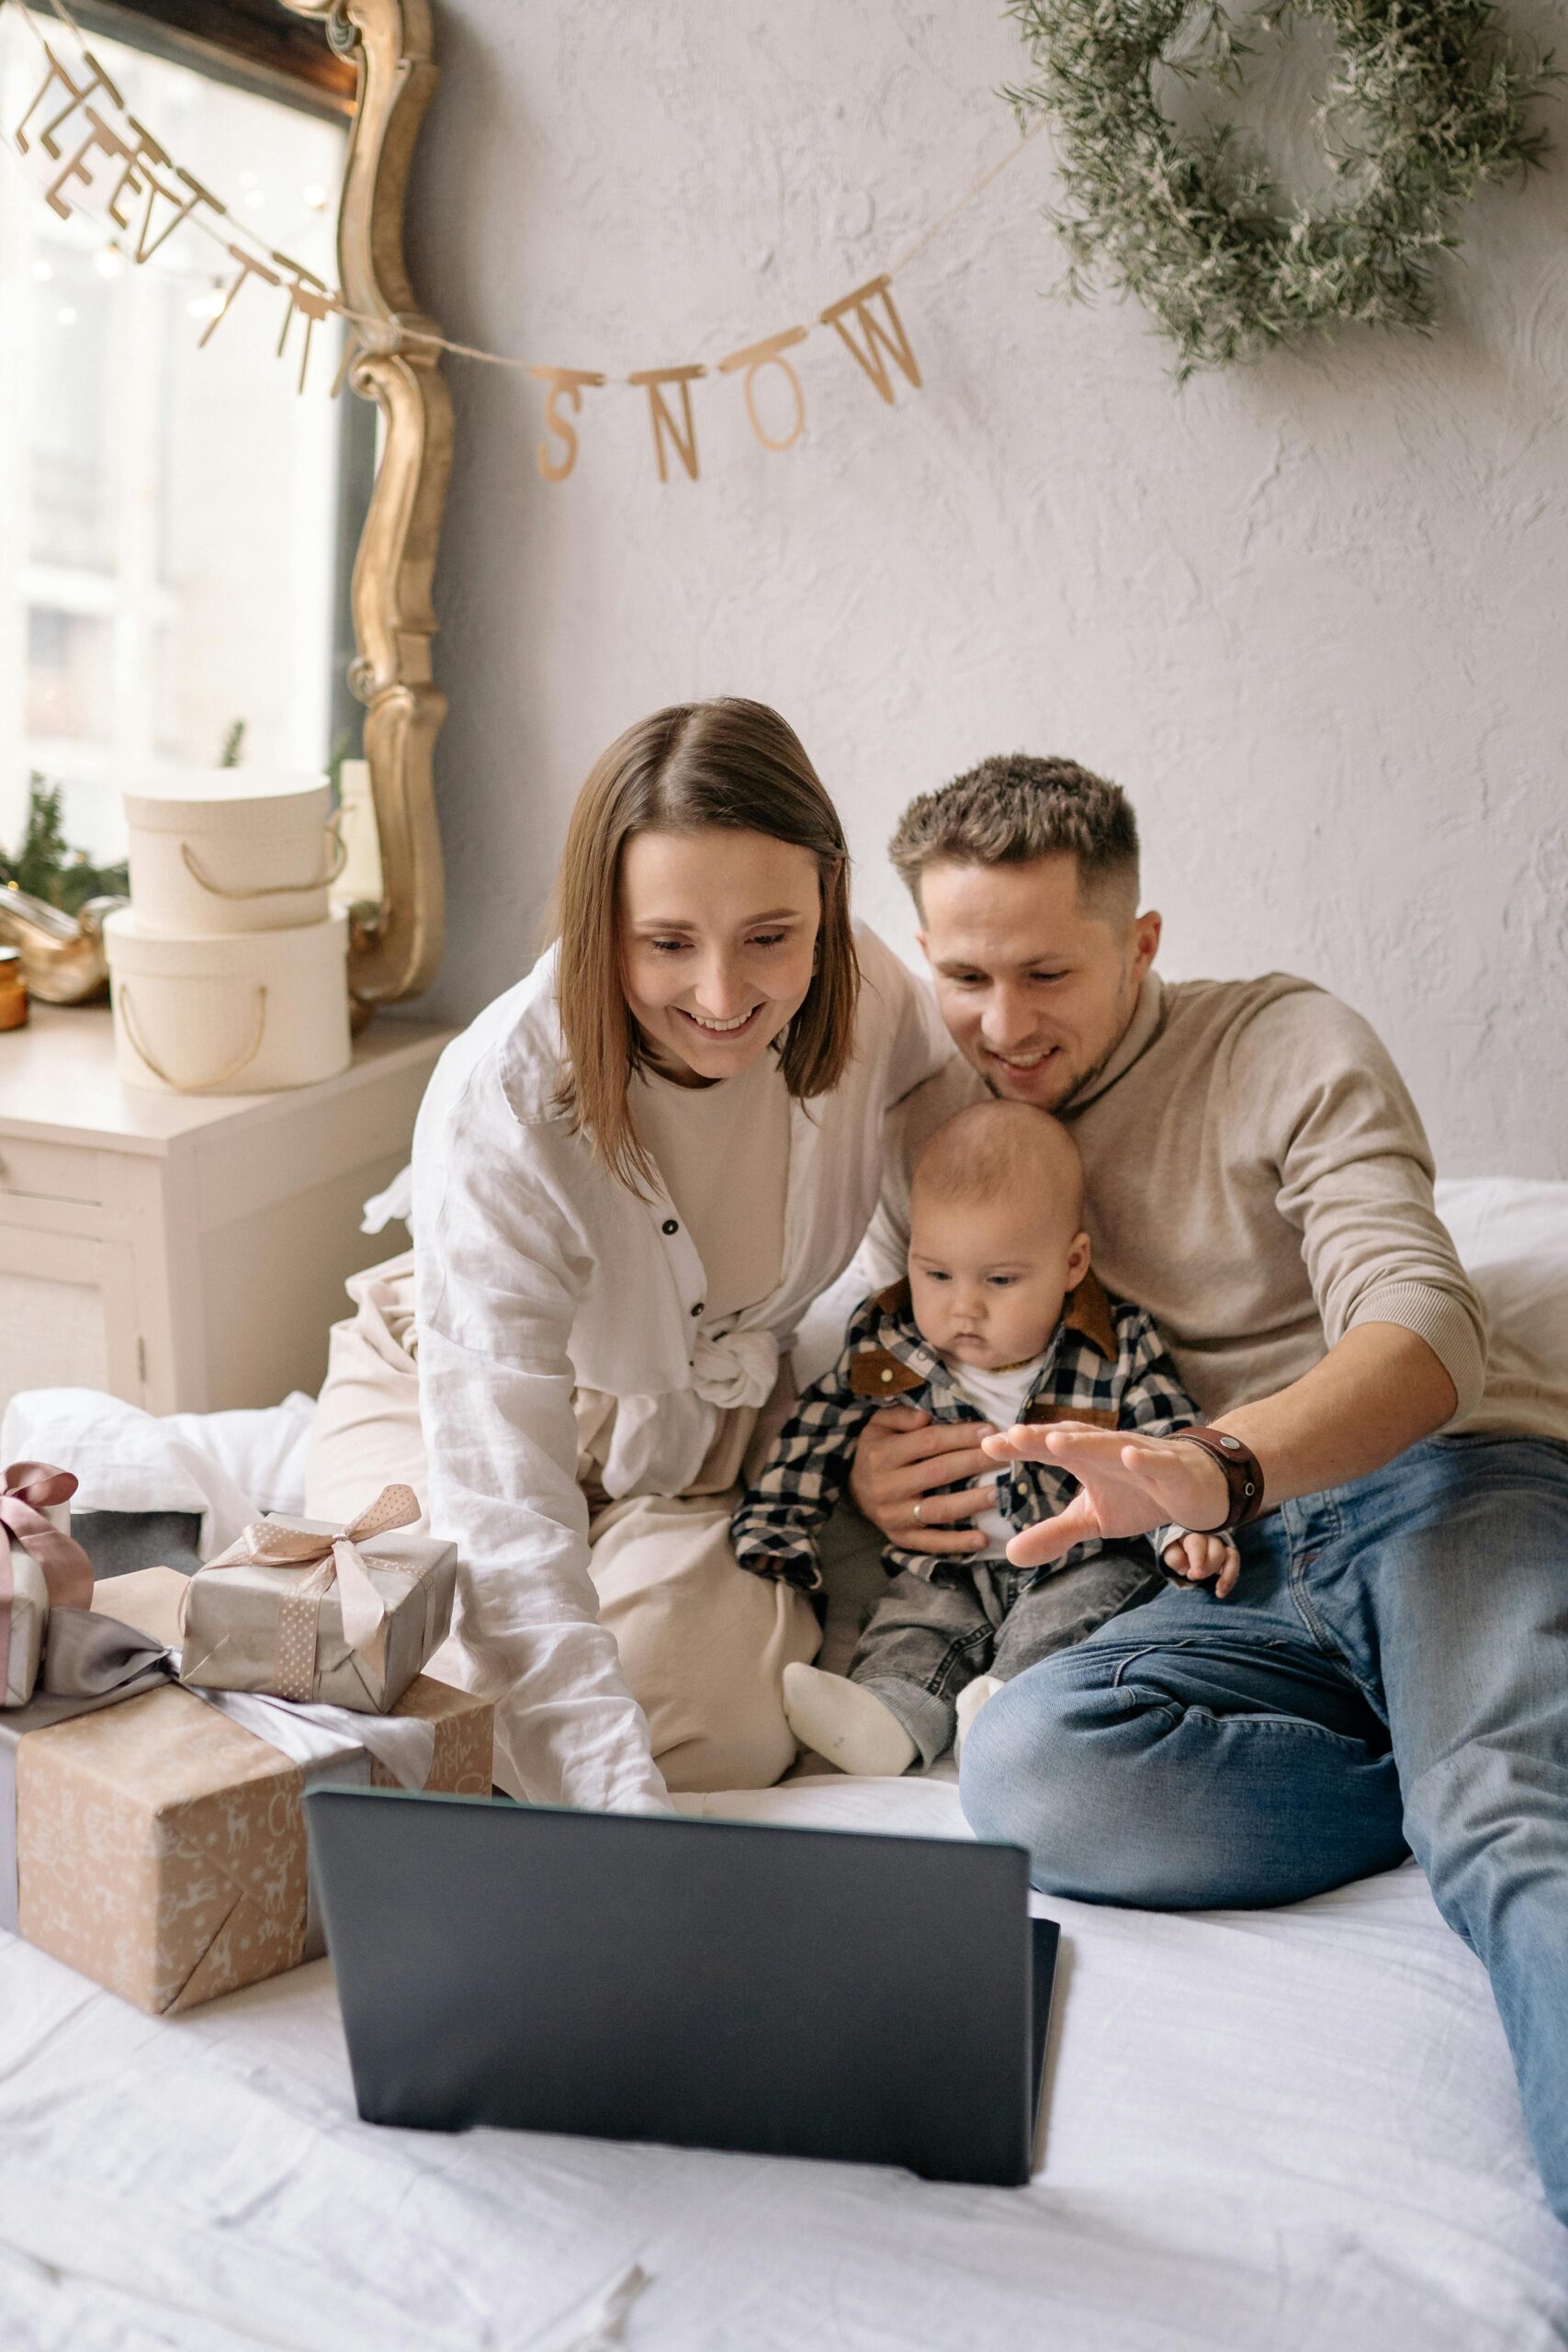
915,1513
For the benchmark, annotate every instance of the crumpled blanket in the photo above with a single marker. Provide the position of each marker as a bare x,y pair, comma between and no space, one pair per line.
226,1468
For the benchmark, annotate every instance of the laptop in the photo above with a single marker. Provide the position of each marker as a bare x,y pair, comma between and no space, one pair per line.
719,1985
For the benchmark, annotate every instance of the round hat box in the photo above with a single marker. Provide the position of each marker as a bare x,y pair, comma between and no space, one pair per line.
232,849
228,1013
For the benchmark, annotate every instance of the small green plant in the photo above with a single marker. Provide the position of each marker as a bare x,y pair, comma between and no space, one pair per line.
45,864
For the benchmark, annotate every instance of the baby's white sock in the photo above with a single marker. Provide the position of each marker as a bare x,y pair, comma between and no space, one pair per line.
971,1698
846,1723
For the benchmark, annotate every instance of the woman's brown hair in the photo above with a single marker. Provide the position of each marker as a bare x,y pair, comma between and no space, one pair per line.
727,762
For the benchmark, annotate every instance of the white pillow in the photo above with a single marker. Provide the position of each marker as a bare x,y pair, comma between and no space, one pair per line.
1512,1238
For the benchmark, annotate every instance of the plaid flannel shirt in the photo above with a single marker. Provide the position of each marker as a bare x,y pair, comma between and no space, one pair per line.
1106,1364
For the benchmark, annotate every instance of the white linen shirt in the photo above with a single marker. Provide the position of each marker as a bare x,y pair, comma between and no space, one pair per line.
536,1272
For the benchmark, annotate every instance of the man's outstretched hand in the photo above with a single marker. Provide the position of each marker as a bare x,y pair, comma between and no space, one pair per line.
1126,1485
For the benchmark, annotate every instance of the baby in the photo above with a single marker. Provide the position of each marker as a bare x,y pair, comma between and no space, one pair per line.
999,1320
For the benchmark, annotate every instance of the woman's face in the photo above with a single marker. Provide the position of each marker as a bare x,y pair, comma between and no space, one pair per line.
718,933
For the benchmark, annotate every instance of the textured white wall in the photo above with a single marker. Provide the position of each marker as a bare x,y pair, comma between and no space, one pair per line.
1308,615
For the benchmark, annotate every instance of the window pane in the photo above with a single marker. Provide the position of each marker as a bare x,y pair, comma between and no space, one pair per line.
169,532
69,674
73,511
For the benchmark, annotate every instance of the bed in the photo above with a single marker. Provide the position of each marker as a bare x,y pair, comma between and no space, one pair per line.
1295,2130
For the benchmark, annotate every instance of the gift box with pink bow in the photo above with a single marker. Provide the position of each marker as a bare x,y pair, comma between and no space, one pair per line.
306,1610
40,1569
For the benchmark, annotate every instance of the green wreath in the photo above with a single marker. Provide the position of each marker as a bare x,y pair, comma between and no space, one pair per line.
1425,104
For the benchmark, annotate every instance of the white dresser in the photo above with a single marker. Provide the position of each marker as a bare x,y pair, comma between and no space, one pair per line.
188,1252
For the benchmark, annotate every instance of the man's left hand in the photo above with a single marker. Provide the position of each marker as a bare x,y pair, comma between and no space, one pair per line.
1126,1485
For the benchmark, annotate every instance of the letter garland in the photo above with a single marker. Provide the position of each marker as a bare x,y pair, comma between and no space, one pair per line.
142,167
115,145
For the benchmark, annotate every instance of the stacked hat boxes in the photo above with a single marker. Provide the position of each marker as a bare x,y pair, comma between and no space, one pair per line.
229,968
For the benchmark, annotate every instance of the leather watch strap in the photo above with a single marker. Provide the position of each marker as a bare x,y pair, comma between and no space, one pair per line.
1243,1475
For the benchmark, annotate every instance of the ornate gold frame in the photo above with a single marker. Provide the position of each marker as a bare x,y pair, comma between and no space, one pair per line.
396,948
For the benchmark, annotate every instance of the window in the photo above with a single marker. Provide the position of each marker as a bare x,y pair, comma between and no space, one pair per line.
67,696
170,555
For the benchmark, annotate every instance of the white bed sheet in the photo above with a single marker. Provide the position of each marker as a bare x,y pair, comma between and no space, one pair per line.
1294,2129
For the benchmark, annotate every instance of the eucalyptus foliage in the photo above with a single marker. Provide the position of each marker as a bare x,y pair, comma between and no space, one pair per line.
1426,104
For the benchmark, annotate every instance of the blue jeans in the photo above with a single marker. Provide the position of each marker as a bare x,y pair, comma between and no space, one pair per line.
1389,1675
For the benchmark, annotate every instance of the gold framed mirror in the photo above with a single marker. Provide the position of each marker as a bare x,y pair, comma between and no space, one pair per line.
394,949
367,65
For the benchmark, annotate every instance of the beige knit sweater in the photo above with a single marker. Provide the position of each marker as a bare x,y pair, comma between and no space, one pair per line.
1260,1180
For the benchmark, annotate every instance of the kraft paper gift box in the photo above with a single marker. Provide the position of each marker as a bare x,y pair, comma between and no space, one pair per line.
342,1615
39,1565
160,1847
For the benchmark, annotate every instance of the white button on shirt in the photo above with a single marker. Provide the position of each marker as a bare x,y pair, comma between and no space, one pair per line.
538,1272
723,1154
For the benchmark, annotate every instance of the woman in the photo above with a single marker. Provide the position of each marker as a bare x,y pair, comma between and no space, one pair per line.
632,1175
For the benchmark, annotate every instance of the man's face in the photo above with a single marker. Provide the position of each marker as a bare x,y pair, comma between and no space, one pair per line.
1035,988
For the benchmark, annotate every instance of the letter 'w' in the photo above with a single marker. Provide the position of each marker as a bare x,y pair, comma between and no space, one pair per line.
878,338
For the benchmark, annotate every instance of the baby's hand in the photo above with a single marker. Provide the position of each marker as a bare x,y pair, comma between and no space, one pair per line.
1199,1557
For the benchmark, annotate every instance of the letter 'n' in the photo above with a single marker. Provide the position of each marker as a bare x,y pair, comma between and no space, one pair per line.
878,338
682,434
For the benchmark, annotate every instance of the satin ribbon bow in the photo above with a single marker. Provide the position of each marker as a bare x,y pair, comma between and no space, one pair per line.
325,1559
26,1490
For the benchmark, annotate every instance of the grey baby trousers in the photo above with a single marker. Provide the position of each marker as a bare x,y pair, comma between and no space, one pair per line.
932,1634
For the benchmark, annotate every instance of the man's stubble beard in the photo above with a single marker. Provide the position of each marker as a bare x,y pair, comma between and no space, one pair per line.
1081,1085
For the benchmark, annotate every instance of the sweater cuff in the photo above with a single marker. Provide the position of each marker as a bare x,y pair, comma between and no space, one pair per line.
1448,1327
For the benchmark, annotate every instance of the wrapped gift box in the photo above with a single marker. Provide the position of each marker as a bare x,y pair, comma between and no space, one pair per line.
252,1623
160,1847
61,1574
24,1613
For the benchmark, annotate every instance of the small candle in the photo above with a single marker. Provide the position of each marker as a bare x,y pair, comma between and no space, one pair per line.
13,990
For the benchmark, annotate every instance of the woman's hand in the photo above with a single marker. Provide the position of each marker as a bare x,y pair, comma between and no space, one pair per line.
1126,1485
902,1457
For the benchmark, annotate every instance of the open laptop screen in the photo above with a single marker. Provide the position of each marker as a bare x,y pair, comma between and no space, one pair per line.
791,1992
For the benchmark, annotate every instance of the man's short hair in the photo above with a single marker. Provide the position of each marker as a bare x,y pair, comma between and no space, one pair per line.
1013,808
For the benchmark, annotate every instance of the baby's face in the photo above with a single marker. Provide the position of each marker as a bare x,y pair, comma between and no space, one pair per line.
988,1281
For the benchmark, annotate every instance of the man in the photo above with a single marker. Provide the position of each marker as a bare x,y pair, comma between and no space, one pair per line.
1392,1669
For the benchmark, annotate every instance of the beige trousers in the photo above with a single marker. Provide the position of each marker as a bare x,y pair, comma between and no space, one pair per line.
703,1644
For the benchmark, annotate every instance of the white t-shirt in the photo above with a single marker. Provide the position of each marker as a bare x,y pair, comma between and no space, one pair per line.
723,1151
999,1397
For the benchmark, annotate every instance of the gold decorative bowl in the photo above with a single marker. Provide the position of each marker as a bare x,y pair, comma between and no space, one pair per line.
63,956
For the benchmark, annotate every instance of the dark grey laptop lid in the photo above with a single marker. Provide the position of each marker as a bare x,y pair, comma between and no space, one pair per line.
790,1991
